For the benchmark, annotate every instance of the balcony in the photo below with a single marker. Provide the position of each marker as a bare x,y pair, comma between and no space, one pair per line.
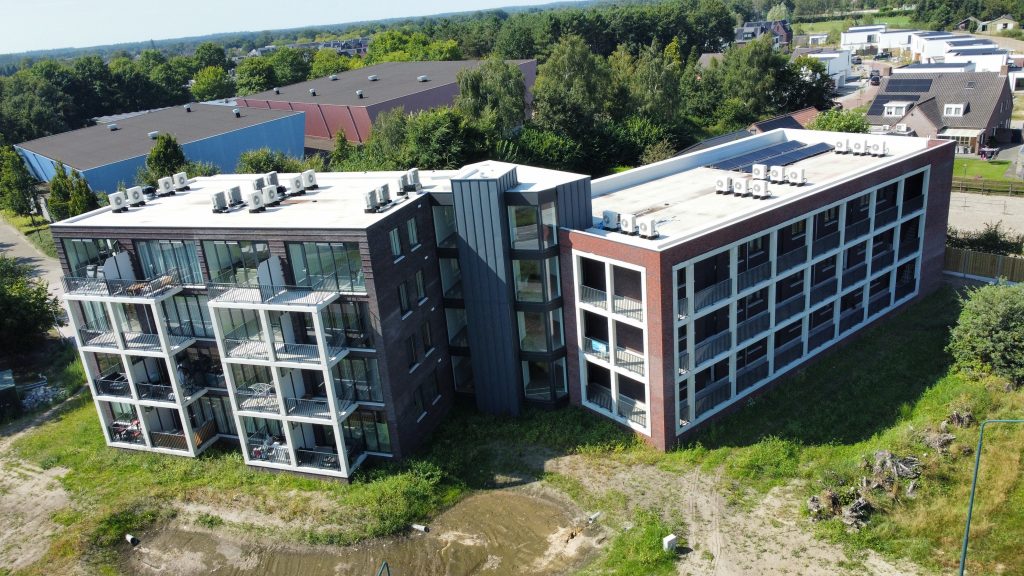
594,297
113,383
630,360
788,353
850,318
904,289
596,348
789,307
756,324
858,229
599,396
258,398
126,432
319,459
683,308
753,276
825,244
885,216
820,335
169,440
151,342
711,347
909,246
628,307
266,448
879,302
881,258
97,335
156,392
683,362
151,288
271,294
633,410
308,408
712,294
854,274
711,396
684,409
823,290
911,205
205,433
751,374
791,259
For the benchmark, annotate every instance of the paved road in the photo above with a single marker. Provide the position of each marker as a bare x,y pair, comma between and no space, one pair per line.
12,243
973,211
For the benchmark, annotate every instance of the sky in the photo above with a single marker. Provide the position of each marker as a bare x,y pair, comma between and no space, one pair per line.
45,24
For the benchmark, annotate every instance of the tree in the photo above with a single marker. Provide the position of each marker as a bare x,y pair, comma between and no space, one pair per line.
61,186
263,160
27,310
840,121
989,335
166,157
571,88
212,83
82,199
778,12
494,93
255,75
515,39
17,187
808,84
291,65
327,61
210,54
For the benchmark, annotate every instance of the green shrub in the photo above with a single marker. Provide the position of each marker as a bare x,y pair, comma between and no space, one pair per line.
989,335
993,239
769,461
638,549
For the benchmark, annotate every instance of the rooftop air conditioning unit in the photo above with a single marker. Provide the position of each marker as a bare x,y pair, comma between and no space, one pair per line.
188,107
878,149
235,196
372,78
112,127
309,180
627,223
295,186
859,147
759,171
236,112
759,189
219,201
277,90
152,135
256,203
886,127
371,201
648,228
149,192
258,183
118,202
384,194
777,174
842,146
165,186
403,185
270,196
796,176
180,181
135,196
333,77
359,94
723,184
741,186
312,91
271,178
610,220
423,78
902,128
414,179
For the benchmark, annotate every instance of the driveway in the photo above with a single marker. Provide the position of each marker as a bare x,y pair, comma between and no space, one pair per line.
13,244
856,94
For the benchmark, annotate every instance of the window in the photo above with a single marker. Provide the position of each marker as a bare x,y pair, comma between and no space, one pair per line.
549,225
351,318
428,339
533,277
396,243
523,227
414,237
403,299
358,379
159,257
832,214
414,352
953,110
896,109
188,315
797,229
366,430
333,265
235,261
85,255
421,289
425,396
540,331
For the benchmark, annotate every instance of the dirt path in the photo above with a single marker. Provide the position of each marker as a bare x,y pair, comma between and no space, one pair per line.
29,496
771,537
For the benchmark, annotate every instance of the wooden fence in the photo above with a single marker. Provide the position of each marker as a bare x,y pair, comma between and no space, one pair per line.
984,265
983,186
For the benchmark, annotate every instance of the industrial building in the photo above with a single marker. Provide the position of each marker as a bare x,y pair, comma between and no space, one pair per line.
336,322
350,101
109,154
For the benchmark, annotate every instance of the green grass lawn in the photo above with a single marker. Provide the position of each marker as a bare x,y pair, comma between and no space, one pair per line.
38,232
986,169
829,25
818,427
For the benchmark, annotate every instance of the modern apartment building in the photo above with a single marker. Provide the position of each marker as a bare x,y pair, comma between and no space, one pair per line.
336,322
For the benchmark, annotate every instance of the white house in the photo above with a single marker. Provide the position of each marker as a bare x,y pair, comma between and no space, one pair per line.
947,66
984,59
861,37
892,40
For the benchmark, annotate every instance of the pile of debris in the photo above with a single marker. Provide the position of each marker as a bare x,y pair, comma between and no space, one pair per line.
42,397
830,505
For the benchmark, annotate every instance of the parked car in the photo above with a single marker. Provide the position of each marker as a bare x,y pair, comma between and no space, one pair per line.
875,80
855,60
883,56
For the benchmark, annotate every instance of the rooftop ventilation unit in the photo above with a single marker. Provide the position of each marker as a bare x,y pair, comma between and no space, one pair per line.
359,94
270,197
414,179
878,149
258,183
403,185
384,194
886,127
271,178
165,186
902,128
256,202
219,201
648,228
295,186
152,135
627,223
723,184
842,146
741,186
759,171
312,91
796,176
135,196
118,202
333,77
235,196
859,147
423,78
777,174
237,113
371,201
309,180
610,220
372,78
759,189
277,90
113,127
180,181
149,192
188,108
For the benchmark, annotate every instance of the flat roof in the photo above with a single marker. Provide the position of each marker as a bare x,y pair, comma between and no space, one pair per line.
395,80
933,65
97,145
679,193
337,204
978,51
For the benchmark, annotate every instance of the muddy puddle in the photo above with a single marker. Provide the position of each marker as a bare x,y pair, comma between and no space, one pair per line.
501,532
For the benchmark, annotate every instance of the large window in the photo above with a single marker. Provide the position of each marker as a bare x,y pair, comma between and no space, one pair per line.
537,280
234,262
336,265
189,315
360,378
413,232
540,331
180,257
367,430
532,227
396,243
88,255
354,319
543,380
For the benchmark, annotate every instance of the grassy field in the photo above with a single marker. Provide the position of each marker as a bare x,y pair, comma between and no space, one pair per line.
841,24
38,233
881,392
987,169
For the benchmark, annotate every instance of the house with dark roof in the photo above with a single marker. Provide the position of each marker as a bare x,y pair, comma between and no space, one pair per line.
794,120
782,33
971,108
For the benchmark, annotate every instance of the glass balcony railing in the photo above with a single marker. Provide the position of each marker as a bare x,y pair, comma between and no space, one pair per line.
909,246
885,215
823,290
151,288
789,307
788,353
858,229
881,257
879,302
820,335
850,318
854,274
825,243
752,326
274,294
791,259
